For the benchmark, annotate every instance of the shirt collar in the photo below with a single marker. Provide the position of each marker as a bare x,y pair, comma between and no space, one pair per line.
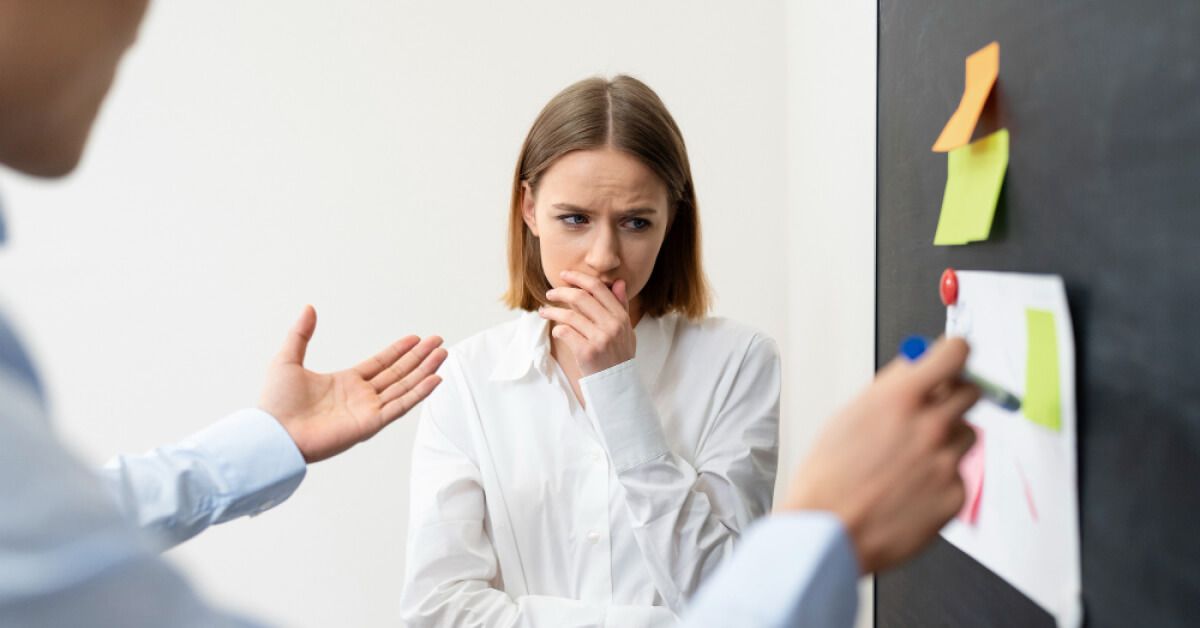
530,347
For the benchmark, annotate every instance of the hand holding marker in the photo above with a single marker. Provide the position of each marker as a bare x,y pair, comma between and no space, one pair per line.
914,346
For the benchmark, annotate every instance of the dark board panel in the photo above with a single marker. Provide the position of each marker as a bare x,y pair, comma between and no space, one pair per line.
1102,101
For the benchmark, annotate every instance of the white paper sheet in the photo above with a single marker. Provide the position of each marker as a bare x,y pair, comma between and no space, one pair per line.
1027,526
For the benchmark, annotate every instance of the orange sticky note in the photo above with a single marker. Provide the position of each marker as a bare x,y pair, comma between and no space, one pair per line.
971,470
983,66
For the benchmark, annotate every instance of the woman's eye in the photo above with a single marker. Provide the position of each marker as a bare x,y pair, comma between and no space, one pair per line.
573,220
638,224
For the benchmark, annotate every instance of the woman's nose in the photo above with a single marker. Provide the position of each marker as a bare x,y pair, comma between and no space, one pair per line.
604,256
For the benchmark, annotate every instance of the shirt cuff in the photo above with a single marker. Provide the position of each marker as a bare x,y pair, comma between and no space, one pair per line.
257,459
791,569
621,408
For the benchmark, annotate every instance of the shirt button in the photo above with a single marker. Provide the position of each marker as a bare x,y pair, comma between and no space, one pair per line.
597,456
593,537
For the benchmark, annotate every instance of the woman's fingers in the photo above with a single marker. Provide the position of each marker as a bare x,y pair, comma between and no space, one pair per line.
595,321
581,324
620,290
583,302
597,289
575,341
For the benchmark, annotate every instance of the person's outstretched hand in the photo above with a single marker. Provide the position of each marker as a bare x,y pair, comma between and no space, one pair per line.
887,464
328,413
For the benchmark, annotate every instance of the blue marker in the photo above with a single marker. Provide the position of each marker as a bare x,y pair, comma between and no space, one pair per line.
914,347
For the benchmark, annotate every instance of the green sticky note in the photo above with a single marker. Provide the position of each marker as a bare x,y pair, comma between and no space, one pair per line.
1042,403
974,175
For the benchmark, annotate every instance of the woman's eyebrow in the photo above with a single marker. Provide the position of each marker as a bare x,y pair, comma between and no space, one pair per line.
636,211
567,207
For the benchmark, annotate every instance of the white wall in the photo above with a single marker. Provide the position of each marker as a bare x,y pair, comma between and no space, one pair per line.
256,156
261,155
831,56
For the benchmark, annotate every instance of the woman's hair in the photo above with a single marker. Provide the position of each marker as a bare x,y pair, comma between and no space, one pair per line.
625,114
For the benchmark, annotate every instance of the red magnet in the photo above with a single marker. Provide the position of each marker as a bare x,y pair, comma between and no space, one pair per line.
949,287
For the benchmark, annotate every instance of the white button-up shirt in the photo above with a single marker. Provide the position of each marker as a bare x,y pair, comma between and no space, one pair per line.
528,509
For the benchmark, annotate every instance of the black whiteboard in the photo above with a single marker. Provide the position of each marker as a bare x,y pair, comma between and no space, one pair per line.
1102,101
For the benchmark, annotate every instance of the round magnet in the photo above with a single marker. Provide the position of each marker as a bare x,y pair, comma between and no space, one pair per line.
948,287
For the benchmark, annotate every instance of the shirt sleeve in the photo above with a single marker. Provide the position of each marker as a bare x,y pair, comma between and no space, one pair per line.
68,556
686,516
452,569
242,465
794,569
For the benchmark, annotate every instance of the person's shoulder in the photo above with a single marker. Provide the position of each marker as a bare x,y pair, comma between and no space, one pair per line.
717,333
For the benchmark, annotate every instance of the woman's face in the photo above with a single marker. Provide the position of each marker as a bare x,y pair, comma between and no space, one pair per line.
600,212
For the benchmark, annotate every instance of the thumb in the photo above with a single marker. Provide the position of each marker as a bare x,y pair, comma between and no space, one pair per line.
297,339
944,361
619,292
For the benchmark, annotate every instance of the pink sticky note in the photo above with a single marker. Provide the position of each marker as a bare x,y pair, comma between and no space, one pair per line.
971,470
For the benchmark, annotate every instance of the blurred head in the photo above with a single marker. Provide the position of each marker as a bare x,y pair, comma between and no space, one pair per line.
57,62
603,187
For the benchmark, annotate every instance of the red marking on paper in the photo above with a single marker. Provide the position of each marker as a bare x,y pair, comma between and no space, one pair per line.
1028,493
971,470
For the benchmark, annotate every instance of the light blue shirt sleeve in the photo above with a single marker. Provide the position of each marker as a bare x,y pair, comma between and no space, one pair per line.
242,465
793,569
68,555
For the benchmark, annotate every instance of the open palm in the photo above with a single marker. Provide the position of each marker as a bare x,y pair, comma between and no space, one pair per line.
327,413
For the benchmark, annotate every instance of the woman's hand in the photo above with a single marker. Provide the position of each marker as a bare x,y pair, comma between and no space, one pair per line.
328,413
595,325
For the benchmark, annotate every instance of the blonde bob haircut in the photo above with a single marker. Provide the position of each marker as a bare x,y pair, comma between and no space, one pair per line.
625,114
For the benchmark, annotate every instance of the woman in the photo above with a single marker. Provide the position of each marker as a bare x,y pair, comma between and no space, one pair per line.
591,462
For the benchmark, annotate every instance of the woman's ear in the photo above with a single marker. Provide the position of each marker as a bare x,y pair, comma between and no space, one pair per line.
527,208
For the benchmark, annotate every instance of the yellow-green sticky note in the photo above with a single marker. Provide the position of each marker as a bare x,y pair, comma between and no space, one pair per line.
974,175
1042,403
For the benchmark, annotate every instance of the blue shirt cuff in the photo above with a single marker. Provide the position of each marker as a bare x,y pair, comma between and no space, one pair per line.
257,459
791,569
